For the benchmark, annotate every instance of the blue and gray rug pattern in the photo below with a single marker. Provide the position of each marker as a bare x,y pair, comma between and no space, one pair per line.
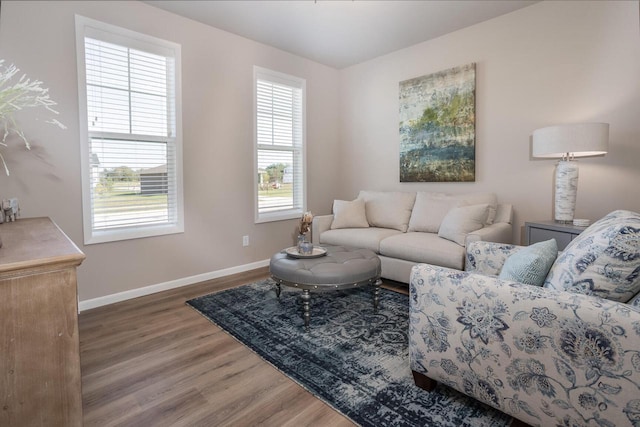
355,360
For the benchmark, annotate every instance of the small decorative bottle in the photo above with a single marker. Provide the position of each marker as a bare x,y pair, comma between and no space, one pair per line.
307,248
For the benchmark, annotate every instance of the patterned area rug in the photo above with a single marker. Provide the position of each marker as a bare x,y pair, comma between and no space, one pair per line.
353,359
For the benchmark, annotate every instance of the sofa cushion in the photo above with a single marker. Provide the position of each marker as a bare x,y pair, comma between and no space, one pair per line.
463,220
368,238
604,260
478,199
349,214
429,210
388,209
423,248
531,264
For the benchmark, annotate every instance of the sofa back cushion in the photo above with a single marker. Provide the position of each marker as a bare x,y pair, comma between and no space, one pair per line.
480,198
430,208
463,220
429,211
604,260
388,209
349,214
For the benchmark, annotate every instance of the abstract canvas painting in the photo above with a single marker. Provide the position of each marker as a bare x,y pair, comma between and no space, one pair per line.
437,126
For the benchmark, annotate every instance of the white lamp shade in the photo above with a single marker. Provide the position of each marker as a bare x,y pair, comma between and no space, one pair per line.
573,140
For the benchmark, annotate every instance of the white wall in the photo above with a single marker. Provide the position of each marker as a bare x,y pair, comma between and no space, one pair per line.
550,63
217,73
553,62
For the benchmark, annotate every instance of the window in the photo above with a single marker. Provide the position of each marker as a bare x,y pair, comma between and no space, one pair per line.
130,131
279,146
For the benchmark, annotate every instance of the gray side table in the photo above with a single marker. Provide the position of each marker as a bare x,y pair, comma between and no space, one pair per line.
540,231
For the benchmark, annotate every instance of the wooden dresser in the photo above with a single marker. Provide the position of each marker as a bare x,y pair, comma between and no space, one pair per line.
39,345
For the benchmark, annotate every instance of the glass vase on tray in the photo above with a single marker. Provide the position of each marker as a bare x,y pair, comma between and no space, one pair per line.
304,247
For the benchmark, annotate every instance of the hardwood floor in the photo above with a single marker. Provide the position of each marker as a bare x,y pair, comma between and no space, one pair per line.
154,361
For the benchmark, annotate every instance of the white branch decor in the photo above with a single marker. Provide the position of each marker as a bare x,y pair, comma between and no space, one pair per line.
16,96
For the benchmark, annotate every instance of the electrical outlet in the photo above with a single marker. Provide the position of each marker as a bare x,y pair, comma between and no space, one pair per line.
245,240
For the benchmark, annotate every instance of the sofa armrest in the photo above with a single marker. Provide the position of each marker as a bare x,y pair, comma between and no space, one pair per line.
320,224
500,232
546,357
487,257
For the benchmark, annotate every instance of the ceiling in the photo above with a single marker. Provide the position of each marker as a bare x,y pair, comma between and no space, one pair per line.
340,33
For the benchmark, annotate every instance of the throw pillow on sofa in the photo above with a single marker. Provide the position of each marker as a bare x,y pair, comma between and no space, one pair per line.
531,264
388,209
604,260
463,220
349,214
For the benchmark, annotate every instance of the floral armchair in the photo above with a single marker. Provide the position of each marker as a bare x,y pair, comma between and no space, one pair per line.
558,355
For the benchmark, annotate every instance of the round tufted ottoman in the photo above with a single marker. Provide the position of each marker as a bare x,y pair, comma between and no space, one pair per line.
341,268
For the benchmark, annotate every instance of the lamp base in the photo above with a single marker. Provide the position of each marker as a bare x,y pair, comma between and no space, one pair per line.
566,191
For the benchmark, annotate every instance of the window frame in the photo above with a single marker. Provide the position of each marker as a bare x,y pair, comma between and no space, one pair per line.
299,83
86,27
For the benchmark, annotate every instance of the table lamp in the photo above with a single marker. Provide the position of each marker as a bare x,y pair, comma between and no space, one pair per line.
567,142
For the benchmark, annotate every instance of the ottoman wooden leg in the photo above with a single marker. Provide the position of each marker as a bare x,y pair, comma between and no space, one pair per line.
376,294
306,315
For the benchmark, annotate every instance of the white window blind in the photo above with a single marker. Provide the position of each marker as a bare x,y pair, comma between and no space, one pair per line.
279,145
132,154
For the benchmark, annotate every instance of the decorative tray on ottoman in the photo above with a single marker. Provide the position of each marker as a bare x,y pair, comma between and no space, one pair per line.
316,253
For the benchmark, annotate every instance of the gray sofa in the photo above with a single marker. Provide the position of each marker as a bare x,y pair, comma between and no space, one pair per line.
408,228
566,353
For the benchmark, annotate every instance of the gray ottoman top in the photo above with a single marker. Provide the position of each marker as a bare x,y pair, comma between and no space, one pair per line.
341,265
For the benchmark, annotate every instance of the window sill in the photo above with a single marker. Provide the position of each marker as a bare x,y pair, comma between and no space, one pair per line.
128,234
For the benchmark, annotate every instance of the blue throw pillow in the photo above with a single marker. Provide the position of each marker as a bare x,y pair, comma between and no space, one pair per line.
531,264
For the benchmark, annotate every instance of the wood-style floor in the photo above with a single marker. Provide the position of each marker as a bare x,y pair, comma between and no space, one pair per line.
154,361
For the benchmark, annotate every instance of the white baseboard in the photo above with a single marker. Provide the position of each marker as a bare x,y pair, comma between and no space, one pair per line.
152,289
